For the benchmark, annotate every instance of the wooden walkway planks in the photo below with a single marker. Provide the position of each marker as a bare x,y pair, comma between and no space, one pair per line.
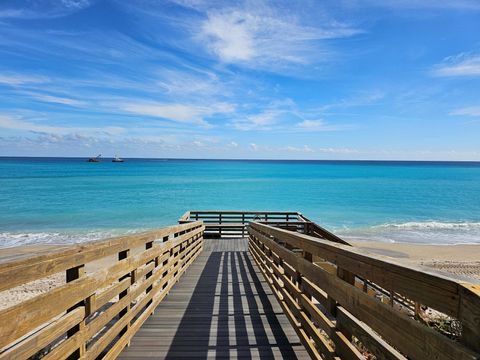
220,308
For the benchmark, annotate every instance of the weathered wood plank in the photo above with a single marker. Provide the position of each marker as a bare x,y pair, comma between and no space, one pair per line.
22,271
38,340
153,271
411,337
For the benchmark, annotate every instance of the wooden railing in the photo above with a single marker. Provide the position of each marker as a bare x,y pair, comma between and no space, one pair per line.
326,291
234,223
95,313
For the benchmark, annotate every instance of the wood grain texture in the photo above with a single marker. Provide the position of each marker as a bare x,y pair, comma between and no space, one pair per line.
357,312
96,314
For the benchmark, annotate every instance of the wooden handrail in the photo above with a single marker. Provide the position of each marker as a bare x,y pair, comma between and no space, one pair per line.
221,223
239,212
94,313
327,304
232,223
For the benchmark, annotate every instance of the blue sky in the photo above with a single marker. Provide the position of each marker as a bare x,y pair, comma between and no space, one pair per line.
345,79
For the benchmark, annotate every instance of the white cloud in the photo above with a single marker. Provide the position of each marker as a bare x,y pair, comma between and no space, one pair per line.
7,122
254,147
264,37
43,9
464,64
19,79
304,149
12,13
58,100
320,125
312,125
261,121
337,150
76,4
229,37
468,111
194,81
182,113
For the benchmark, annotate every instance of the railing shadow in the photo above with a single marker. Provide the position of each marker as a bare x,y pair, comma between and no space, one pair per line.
230,316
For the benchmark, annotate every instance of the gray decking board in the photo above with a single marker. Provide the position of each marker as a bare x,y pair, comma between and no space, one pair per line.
220,308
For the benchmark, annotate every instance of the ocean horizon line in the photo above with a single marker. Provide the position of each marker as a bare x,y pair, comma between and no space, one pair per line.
476,162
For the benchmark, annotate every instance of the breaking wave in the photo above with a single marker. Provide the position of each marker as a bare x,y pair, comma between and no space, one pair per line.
10,239
426,232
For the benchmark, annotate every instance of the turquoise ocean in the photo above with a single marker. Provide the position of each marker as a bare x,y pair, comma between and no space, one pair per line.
64,200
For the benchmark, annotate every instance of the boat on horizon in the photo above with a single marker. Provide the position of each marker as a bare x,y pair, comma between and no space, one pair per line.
95,159
117,159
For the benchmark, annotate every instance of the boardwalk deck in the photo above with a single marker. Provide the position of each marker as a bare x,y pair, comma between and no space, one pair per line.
220,308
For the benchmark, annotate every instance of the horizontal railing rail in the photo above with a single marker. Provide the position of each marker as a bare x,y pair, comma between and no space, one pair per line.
327,290
234,223
94,314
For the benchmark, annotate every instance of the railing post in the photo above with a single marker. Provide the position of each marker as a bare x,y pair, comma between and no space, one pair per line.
123,255
470,316
243,225
220,223
71,275
306,228
346,276
309,257
149,245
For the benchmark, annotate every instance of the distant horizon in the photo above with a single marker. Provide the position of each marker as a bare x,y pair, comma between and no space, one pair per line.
247,159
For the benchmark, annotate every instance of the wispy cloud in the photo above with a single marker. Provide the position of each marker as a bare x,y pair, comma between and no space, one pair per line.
461,65
12,123
20,79
284,116
182,113
43,9
58,100
181,82
261,121
467,111
314,125
266,37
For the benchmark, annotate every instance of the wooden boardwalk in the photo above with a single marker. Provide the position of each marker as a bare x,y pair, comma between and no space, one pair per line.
221,308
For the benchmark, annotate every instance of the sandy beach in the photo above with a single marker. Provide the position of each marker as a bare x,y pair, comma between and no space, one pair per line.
37,287
456,260
461,260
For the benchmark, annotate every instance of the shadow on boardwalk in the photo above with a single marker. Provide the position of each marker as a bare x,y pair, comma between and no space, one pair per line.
220,309
240,327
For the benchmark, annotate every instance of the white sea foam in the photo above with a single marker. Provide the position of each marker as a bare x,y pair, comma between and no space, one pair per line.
426,232
431,225
9,239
